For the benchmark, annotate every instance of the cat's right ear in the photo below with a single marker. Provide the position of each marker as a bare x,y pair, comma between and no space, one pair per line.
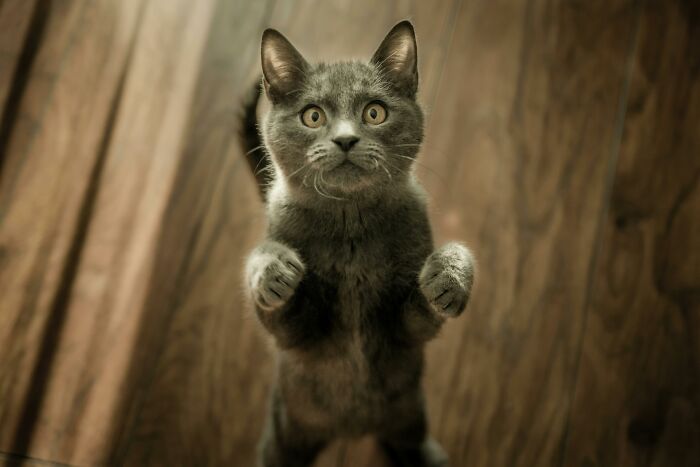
283,66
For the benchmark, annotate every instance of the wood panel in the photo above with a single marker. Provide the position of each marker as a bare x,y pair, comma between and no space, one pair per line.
18,22
562,146
49,165
638,392
523,134
206,402
11,460
106,302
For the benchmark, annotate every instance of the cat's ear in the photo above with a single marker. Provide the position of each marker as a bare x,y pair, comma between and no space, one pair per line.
397,58
283,66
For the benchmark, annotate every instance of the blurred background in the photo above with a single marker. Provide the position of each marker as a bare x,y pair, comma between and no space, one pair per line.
562,144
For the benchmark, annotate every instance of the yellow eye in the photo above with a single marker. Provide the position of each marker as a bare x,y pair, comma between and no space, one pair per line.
374,114
313,117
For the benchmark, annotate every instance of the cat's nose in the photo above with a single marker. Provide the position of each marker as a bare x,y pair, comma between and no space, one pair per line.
346,142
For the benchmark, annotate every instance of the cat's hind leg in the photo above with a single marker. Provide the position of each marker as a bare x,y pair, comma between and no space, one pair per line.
407,444
285,443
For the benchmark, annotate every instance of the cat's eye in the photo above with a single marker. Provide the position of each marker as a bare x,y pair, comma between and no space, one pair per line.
313,117
374,113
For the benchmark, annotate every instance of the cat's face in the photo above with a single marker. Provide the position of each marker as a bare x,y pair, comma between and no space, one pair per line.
345,129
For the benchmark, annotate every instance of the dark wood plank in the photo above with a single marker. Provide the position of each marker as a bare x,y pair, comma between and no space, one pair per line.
204,398
522,133
15,23
48,167
638,392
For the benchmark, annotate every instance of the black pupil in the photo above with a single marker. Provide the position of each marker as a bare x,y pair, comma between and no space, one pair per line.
314,116
373,113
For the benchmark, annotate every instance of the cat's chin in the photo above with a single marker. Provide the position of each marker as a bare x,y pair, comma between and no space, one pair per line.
348,178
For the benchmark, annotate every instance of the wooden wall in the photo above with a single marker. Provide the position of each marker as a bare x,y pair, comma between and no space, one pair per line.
562,144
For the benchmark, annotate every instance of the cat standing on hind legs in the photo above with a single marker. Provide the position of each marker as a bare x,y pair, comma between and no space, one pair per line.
347,280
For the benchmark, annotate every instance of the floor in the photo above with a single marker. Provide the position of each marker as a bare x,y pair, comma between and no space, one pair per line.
562,145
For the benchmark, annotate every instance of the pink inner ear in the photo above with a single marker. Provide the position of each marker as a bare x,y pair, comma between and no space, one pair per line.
402,57
277,64
283,66
397,53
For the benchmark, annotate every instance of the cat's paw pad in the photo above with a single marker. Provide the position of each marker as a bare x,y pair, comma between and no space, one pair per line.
274,276
446,279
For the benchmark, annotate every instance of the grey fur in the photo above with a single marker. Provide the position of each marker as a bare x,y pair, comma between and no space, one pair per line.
347,281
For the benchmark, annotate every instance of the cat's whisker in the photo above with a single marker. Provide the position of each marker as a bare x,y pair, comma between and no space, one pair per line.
387,171
269,169
260,161
315,157
303,180
262,146
397,169
423,166
320,192
298,170
428,147
323,183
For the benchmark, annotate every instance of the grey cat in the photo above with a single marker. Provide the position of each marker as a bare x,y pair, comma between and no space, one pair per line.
346,280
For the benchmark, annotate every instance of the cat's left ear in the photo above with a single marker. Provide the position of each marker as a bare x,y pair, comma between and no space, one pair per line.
397,58
283,66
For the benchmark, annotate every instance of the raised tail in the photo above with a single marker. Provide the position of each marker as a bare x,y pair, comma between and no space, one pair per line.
250,140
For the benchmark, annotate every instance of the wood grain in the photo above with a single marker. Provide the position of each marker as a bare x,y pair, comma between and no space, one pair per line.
638,392
12,460
19,22
48,167
522,133
562,145
105,307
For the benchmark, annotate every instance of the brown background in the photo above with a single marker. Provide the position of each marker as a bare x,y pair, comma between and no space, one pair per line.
563,145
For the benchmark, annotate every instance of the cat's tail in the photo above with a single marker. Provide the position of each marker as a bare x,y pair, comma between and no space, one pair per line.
251,143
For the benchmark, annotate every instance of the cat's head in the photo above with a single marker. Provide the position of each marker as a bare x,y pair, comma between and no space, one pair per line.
343,130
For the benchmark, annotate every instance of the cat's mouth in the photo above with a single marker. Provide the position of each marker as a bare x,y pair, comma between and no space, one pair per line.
349,173
348,164
354,162
337,174
346,169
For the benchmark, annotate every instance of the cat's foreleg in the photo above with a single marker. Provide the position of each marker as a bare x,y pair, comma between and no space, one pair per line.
444,287
446,279
273,272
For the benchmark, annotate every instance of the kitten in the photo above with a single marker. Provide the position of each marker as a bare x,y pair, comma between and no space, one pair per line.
346,280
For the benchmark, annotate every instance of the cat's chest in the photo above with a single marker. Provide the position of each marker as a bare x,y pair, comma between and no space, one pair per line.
352,263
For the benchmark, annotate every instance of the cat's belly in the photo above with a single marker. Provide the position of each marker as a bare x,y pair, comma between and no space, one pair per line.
343,389
352,380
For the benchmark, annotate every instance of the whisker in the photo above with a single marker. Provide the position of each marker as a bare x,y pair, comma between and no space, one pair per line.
303,180
325,195
260,161
419,164
254,149
323,183
387,171
298,170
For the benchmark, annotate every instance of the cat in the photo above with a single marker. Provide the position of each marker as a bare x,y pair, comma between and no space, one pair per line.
346,280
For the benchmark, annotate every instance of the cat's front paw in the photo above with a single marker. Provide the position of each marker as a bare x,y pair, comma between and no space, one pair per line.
447,277
273,274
